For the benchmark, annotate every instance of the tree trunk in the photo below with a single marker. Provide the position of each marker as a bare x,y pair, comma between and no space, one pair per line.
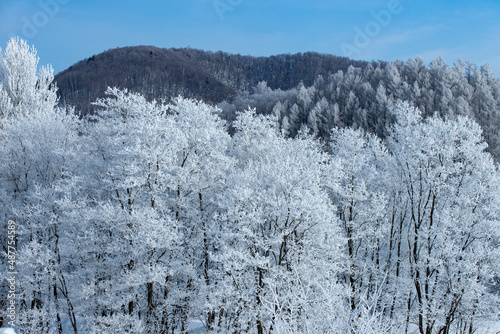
149,314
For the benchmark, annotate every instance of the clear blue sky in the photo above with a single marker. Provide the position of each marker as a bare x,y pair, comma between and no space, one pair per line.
66,31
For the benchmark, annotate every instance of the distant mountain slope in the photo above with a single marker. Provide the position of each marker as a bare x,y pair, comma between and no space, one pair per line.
213,77
156,73
316,90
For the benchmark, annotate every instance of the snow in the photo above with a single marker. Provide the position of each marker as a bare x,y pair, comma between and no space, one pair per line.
489,328
196,327
7,331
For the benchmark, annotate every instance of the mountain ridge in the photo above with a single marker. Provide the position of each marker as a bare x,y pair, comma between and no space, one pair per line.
161,73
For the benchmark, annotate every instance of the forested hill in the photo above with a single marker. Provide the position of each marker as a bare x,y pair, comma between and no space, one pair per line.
316,90
208,76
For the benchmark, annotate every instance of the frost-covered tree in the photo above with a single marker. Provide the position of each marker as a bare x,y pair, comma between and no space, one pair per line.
131,233
154,175
449,189
199,176
39,153
282,249
359,185
24,87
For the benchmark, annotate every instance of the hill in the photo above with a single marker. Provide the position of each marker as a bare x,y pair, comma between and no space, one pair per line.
212,77
317,90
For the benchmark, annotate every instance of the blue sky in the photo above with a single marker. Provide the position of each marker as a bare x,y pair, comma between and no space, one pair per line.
66,31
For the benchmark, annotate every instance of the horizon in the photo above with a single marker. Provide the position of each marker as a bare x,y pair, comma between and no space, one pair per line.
65,32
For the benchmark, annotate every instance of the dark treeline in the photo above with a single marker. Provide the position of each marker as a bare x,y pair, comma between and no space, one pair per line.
209,76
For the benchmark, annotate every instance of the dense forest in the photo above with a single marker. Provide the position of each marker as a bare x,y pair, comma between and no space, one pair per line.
319,91
212,77
360,199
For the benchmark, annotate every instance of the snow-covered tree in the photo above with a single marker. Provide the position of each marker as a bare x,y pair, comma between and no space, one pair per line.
24,87
130,234
358,180
449,189
39,153
282,250
199,176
